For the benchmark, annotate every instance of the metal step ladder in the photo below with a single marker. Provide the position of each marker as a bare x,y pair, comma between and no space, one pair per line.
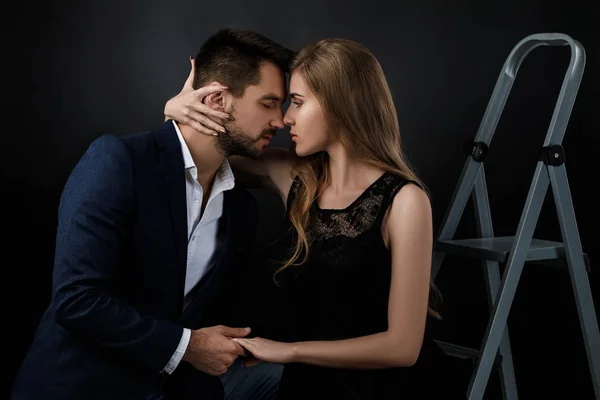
521,248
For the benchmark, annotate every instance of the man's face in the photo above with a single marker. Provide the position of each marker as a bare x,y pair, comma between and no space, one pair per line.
257,115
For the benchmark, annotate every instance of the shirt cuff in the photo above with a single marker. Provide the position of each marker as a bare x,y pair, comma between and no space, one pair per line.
178,355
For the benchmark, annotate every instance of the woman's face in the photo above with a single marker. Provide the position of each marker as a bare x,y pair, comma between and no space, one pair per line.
305,118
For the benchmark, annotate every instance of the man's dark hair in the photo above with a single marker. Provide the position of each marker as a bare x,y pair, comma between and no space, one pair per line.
233,57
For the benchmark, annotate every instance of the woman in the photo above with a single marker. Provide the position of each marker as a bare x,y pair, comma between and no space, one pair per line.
357,276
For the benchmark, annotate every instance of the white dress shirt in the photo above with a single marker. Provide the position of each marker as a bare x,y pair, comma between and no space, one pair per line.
202,231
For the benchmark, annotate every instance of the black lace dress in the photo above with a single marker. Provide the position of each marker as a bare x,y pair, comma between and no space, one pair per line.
342,292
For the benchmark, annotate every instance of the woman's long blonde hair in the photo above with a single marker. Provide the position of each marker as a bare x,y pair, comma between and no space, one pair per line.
359,112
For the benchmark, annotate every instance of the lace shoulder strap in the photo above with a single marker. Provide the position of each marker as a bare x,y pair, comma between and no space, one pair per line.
392,185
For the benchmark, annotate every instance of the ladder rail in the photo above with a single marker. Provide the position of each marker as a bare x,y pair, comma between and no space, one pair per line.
577,270
493,280
550,171
508,286
496,104
537,192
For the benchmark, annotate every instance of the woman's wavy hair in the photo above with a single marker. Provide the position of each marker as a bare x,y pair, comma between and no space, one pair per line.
359,112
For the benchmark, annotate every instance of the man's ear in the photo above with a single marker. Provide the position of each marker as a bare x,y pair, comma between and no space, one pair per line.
217,101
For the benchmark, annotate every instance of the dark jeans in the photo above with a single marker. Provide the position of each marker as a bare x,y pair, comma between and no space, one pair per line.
258,382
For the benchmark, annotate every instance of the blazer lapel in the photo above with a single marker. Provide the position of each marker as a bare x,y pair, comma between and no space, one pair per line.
174,173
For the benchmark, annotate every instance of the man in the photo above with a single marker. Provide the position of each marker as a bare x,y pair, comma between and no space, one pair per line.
151,230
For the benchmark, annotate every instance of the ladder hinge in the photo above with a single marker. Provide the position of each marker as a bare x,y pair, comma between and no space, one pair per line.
477,150
553,155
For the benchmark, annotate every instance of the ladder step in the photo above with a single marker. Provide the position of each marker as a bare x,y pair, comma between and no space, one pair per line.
465,353
498,248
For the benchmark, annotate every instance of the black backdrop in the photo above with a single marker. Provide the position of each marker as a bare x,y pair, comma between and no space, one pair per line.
86,68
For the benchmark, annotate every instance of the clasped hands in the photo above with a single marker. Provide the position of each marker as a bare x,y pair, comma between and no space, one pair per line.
212,350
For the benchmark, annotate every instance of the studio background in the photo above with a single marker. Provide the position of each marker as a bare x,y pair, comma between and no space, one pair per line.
81,69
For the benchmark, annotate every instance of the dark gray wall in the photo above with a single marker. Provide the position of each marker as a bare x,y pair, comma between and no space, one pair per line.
86,68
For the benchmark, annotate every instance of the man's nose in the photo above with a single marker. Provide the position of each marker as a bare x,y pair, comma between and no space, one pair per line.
278,122
287,119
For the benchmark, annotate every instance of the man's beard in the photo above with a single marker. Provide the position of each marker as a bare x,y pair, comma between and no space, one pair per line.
236,143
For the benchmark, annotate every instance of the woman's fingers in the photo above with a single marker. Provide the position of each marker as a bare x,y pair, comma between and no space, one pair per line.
198,124
214,87
200,119
204,91
190,79
243,342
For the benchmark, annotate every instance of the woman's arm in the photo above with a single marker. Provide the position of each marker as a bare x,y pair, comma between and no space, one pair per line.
272,170
409,229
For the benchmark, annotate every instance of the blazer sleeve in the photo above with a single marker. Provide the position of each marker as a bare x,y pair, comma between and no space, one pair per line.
94,219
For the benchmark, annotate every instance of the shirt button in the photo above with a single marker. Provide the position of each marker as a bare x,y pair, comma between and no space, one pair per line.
193,237
197,199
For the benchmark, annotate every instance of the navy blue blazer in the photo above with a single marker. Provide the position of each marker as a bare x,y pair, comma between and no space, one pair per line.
115,317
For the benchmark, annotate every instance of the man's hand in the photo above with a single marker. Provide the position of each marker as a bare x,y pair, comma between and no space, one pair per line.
212,351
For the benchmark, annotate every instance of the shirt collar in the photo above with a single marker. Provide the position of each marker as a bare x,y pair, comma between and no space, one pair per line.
224,179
